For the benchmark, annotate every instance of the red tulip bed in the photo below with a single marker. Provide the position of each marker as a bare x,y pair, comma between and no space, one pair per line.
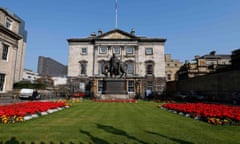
20,112
116,100
218,114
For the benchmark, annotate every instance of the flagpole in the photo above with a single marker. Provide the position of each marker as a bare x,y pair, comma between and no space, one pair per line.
116,14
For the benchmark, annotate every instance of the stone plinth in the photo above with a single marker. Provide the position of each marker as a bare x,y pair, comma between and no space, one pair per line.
114,86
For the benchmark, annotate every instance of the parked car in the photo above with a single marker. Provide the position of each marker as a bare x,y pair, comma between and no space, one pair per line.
236,98
180,96
30,94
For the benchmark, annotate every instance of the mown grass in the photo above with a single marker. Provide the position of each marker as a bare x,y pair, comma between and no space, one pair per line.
117,123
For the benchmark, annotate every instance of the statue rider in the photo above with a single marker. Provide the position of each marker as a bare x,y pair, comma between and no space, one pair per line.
114,65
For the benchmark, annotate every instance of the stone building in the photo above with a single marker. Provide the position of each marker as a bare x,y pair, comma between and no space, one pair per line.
171,68
216,86
29,75
143,58
50,67
203,65
12,49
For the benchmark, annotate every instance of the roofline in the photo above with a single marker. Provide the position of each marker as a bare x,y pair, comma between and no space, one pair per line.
94,38
9,14
135,39
116,30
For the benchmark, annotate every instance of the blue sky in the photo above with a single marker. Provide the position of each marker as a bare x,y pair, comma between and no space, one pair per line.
191,27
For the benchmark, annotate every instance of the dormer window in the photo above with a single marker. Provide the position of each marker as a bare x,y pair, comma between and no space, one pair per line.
9,23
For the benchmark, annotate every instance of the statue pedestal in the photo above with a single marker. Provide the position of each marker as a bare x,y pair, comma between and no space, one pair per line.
114,89
114,86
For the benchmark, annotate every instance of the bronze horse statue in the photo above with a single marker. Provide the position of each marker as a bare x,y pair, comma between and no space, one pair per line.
114,67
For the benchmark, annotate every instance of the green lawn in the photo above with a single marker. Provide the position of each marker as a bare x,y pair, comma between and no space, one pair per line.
117,123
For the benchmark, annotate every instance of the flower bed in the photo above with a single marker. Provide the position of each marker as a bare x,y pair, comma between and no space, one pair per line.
218,114
20,112
116,100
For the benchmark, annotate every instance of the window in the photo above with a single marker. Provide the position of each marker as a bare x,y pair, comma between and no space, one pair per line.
148,51
84,51
130,86
83,67
130,50
9,23
101,67
5,52
103,50
116,50
149,69
130,68
100,86
2,79
168,76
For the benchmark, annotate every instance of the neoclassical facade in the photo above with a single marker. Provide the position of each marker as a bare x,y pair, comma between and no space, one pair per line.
142,56
12,49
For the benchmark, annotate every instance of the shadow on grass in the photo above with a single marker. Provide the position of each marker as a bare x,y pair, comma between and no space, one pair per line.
179,141
13,140
111,129
93,138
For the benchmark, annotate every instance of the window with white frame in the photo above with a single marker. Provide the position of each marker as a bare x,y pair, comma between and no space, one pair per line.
83,67
5,52
130,67
101,67
103,50
9,23
149,67
148,51
84,51
130,50
2,79
130,86
116,50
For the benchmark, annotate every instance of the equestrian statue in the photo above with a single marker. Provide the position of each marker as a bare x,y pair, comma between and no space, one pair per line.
115,67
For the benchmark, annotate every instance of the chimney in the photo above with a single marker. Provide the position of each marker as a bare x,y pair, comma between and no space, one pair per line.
132,32
197,56
99,32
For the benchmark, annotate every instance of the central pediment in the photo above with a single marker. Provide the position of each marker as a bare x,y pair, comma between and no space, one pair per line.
116,34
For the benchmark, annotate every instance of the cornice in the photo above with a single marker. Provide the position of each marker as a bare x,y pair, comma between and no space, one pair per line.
10,33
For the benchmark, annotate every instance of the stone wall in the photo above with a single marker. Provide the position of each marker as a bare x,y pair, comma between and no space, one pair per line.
216,86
